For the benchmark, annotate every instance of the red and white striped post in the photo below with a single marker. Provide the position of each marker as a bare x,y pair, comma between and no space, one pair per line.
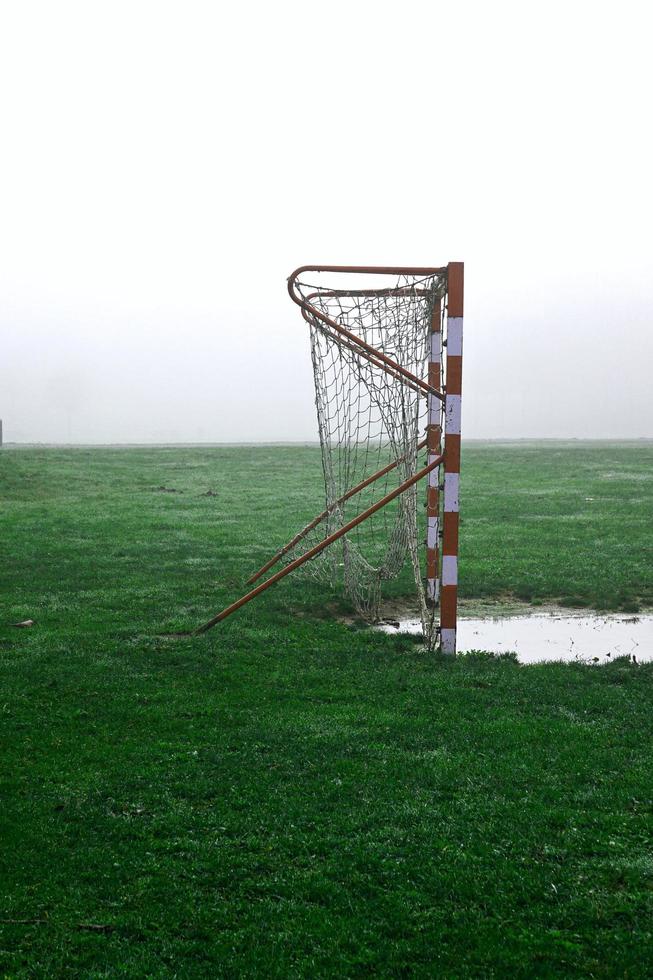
434,437
452,407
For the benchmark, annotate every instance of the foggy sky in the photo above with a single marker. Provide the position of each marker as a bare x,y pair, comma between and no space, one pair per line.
165,166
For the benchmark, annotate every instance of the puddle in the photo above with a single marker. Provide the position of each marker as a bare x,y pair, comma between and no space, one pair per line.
593,639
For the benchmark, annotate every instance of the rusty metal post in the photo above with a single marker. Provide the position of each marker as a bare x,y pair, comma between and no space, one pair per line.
433,437
452,414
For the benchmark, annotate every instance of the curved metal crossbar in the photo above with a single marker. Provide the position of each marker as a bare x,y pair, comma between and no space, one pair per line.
361,347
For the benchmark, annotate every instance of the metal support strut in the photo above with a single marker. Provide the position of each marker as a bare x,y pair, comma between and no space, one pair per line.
321,546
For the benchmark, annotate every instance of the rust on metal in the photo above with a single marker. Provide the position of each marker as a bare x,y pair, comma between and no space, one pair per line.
434,437
385,291
376,270
320,517
452,452
355,350
365,349
448,604
455,288
455,374
388,498
452,441
450,534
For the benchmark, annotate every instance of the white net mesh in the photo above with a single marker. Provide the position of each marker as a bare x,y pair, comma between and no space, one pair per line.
370,417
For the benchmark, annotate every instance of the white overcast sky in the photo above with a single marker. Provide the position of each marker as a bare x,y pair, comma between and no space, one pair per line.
164,167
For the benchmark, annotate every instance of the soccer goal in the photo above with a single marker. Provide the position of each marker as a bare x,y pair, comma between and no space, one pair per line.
386,347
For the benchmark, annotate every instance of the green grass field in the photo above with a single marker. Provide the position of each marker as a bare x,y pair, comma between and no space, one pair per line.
291,796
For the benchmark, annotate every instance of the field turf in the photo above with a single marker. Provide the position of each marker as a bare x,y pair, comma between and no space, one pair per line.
292,796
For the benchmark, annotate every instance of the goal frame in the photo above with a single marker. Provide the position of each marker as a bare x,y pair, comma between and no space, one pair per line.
443,436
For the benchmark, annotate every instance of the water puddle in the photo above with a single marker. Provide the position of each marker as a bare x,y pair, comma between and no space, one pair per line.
553,636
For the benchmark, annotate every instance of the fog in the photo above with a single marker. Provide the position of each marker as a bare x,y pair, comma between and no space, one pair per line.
165,166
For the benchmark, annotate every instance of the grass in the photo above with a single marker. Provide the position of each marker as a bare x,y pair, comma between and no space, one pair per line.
288,796
564,522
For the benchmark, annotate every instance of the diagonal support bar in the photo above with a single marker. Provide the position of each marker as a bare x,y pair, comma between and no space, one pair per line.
364,349
320,517
337,339
388,498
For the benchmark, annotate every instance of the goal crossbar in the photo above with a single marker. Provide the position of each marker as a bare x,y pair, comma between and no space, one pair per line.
388,498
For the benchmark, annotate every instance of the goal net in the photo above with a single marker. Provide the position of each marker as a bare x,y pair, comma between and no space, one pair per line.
371,344
378,339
